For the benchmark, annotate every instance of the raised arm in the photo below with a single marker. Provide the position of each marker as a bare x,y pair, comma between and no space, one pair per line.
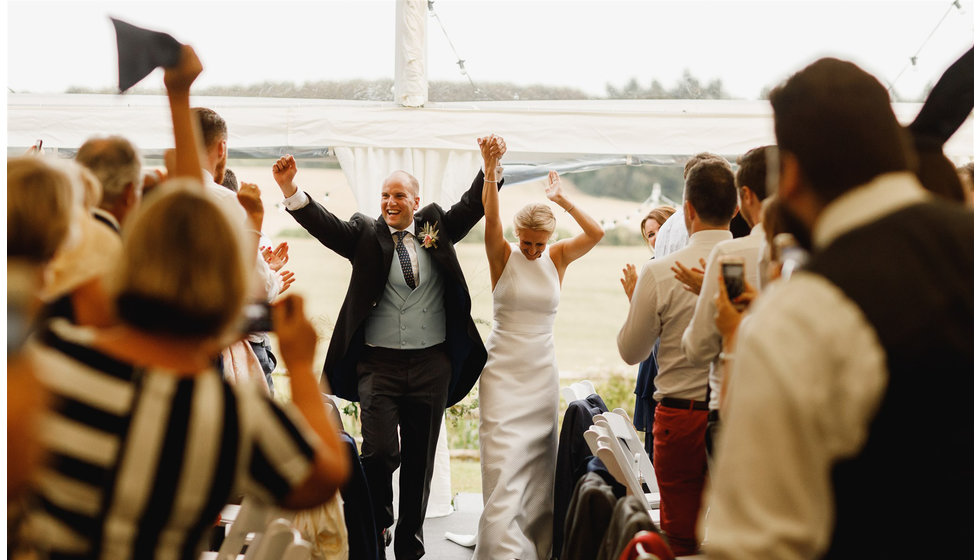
497,248
187,137
567,250
297,343
335,234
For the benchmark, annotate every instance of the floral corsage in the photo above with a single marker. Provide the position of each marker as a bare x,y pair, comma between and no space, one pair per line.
429,235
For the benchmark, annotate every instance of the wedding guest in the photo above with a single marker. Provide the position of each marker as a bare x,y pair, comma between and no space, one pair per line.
39,218
702,342
75,278
519,385
116,163
147,435
643,412
662,308
819,424
254,351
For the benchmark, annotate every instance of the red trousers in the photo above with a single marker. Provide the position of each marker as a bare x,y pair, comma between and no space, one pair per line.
681,465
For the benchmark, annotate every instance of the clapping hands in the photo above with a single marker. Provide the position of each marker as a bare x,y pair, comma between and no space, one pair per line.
278,257
629,280
692,278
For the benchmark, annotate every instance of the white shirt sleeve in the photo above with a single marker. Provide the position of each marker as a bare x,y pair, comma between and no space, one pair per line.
808,377
642,327
701,340
298,200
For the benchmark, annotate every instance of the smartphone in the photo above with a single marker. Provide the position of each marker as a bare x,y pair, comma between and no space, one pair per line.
733,272
258,317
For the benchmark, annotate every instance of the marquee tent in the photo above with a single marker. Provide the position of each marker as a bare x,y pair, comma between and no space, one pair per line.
437,142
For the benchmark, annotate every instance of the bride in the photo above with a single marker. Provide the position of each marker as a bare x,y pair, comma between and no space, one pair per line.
519,385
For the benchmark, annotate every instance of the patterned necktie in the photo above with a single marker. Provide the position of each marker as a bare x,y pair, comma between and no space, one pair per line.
404,260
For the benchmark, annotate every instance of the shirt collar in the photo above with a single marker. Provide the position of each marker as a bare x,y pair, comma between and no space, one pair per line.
709,236
883,195
108,216
410,229
757,230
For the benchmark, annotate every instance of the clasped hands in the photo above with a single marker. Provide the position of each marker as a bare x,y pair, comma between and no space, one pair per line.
492,148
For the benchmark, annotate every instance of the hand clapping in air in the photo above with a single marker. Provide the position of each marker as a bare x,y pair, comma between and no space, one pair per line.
553,189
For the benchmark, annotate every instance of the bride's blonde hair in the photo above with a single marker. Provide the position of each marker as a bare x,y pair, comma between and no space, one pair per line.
535,217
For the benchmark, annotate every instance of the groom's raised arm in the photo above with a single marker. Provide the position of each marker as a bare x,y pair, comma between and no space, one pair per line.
337,235
463,215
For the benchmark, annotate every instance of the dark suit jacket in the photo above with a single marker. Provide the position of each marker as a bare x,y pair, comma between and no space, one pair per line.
572,452
366,242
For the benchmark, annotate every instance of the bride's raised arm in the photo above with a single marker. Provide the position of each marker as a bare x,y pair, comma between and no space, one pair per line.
498,250
567,250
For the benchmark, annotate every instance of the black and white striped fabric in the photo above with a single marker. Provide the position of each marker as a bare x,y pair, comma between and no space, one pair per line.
141,461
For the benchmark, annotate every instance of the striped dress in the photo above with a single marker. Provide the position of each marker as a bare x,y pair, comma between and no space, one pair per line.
141,461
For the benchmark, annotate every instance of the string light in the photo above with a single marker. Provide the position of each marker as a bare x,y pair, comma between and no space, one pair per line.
914,59
459,60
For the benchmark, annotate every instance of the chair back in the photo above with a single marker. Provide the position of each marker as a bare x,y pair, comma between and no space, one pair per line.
251,518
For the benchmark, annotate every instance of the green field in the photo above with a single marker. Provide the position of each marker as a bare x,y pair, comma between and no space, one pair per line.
591,312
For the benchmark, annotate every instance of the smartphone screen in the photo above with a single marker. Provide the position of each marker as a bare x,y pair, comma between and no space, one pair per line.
258,317
734,275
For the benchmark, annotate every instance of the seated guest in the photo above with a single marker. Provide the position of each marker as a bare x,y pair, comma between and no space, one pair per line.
147,441
830,410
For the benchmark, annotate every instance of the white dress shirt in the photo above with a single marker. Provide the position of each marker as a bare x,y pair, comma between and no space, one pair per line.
661,307
299,199
701,340
226,198
411,244
807,380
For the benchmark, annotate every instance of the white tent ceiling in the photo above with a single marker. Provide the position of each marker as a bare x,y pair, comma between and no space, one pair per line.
532,128
437,142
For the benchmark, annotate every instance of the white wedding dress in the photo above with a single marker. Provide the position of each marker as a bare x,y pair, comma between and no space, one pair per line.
519,413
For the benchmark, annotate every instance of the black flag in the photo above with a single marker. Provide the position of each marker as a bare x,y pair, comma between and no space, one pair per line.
141,51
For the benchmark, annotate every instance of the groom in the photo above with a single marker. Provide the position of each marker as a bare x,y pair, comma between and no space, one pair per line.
404,343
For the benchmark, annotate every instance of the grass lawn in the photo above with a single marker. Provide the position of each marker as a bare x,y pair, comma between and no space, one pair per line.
465,475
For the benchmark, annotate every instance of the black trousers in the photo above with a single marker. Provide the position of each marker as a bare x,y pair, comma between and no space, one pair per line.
404,389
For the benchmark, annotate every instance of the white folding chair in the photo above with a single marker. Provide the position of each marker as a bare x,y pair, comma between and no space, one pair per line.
622,427
279,541
625,460
592,439
577,391
251,518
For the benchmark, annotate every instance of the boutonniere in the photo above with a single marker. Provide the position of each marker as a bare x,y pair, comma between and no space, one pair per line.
429,235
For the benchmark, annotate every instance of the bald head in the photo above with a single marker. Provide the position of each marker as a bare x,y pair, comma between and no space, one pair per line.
405,178
399,199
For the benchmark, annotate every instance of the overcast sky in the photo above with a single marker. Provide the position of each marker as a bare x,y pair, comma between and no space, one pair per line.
584,44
